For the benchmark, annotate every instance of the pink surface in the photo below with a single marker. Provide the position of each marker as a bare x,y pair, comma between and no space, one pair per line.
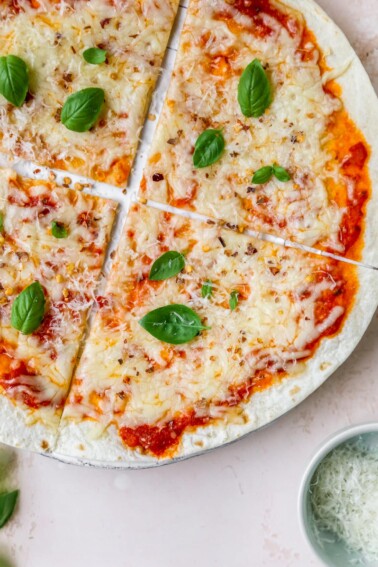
233,507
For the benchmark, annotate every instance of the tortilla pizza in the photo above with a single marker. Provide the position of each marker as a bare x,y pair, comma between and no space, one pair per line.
53,242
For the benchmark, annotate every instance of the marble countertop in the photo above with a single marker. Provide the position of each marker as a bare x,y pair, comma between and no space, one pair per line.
235,506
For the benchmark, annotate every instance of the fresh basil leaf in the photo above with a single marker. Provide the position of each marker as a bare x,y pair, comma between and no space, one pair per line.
208,148
1,222
207,289
14,79
81,109
58,230
262,175
94,55
254,91
4,562
8,502
234,300
28,309
281,173
167,266
174,324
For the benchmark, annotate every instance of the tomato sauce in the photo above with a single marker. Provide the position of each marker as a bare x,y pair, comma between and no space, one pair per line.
348,148
46,201
118,172
141,291
12,372
16,8
183,201
255,10
262,380
161,440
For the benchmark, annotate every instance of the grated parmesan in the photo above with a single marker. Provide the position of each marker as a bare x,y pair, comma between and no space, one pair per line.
344,497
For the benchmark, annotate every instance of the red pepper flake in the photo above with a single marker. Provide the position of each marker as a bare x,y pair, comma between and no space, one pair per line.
157,177
105,22
251,250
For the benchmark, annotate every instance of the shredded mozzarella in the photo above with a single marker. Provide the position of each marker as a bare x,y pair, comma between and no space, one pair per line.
344,497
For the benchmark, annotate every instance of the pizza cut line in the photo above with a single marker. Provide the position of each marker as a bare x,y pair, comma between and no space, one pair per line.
264,311
304,129
50,37
52,243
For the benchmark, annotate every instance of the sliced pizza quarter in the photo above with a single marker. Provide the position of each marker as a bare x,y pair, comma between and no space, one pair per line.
53,242
263,126
76,79
202,335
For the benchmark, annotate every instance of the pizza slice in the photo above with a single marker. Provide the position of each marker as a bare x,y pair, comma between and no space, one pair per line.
255,129
77,78
53,243
202,335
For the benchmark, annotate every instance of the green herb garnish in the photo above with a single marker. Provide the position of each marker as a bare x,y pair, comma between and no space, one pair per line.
234,300
14,79
264,174
208,148
81,109
28,309
254,91
94,55
207,290
58,230
173,324
281,173
167,266
8,502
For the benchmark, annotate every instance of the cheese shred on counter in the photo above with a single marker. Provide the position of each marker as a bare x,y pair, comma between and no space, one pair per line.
344,497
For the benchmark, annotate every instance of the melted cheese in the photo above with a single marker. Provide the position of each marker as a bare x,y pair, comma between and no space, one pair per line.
129,378
36,369
51,37
219,40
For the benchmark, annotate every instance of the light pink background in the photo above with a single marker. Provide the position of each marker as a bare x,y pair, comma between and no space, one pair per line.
234,507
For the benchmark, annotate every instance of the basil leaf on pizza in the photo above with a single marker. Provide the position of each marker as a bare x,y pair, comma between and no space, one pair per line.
28,309
208,148
8,502
262,175
1,222
94,55
168,265
81,109
58,230
254,91
281,173
174,324
234,300
14,79
207,290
